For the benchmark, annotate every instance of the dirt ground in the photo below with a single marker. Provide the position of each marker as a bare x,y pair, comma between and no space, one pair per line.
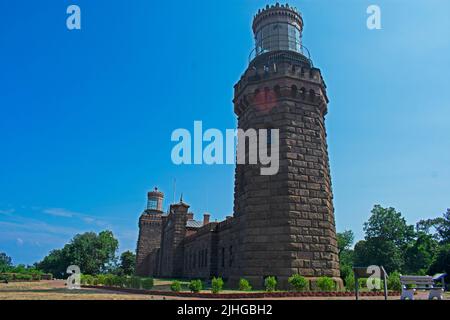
56,290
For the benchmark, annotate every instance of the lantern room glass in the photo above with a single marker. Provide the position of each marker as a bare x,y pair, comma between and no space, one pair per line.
278,36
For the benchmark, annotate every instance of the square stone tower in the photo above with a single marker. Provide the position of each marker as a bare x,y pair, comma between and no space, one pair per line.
285,222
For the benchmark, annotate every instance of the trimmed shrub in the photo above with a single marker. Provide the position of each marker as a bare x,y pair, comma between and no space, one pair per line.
298,282
216,285
23,277
326,284
244,285
87,279
270,283
175,286
135,282
362,283
101,279
109,280
117,281
147,283
36,277
393,282
195,286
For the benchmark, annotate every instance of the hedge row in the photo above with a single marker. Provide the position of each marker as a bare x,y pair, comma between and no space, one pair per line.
24,277
297,282
110,280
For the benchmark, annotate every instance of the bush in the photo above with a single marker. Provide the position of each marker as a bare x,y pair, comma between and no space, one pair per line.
326,284
101,279
350,282
6,277
195,286
147,283
120,281
346,270
87,279
393,282
109,280
175,286
134,282
216,285
244,285
270,284
36,277
362,283
298,282
23,277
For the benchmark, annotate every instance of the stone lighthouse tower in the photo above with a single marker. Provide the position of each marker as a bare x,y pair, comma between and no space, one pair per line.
285,221
149,240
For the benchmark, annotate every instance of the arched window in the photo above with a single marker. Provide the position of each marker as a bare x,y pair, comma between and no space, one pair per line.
277,91
294,91
312,95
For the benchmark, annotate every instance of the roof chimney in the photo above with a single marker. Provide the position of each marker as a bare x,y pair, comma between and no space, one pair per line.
206,217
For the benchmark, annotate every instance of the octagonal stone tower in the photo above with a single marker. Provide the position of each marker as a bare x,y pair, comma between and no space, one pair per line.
286,221
149,240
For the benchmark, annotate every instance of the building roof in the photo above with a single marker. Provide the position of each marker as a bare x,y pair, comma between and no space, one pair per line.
194,224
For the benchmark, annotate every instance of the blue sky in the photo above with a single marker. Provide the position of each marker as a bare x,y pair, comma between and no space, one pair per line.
86,116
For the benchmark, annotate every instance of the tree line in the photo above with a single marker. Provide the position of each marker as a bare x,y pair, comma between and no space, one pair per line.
389,241
93,253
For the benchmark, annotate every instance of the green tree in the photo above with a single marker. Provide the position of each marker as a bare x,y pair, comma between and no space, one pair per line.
55,263
387,236
420,253
345,240
387,224
91,252
440,225
377,251
5,262
441,261
127,263
443,228
346,254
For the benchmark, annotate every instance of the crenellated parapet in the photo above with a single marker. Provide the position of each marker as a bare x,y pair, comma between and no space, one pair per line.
280,81
277,11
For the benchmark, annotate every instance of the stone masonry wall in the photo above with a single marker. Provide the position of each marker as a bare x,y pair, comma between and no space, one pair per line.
287,220
148,242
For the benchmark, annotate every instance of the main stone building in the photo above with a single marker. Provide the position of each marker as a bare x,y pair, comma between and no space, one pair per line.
282,224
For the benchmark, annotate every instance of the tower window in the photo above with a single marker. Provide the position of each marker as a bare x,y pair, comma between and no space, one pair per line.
294,91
